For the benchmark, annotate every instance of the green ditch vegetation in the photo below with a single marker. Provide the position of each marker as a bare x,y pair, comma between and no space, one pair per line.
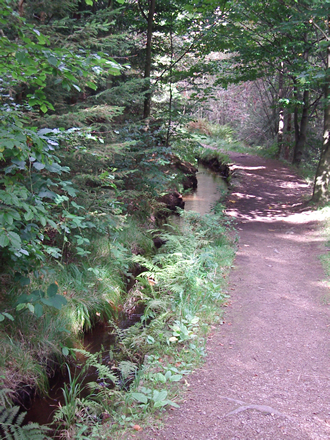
100,237
324,217
181,290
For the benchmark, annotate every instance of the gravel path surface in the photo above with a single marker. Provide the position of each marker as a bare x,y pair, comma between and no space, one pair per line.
267,373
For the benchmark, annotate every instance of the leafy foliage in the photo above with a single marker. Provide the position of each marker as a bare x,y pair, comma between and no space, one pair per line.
11,426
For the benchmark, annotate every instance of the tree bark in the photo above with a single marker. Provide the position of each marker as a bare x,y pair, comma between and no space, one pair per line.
288,137
301,131
169,123
21,7
281,113
147,70
322,177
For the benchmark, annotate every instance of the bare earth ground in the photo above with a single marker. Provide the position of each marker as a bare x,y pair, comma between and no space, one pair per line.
267,373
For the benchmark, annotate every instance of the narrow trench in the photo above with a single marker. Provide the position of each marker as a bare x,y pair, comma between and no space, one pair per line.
211,186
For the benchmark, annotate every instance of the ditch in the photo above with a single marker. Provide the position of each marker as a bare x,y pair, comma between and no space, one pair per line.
211,187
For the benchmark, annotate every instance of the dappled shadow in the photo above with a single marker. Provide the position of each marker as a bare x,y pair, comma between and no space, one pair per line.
267,371
269,194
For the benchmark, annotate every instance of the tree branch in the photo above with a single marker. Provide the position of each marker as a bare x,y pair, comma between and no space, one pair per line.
142,11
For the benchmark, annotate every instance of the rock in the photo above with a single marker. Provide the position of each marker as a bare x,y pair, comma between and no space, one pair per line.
216,165
172,200
189,179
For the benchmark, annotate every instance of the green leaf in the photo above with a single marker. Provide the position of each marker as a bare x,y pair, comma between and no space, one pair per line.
89,2
58,301
36,294
23,57
8,315
169,402
24,281
159,396
30,307
175,378
38,310
161,403
52,60
21,306
43,108
52,290
4,240
9,219
160,377
91,85
142,398
47,301
65,351
15,239
1,317
29,215
38,165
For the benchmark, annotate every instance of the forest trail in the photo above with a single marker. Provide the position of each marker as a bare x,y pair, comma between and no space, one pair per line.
267,372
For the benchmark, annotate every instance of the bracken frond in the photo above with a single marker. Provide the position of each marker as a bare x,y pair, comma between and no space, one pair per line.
11,426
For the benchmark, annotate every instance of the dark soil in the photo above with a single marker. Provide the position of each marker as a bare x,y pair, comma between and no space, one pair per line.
267,372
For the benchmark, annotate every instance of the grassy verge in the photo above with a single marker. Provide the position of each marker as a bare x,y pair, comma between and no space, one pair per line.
221,138
323,215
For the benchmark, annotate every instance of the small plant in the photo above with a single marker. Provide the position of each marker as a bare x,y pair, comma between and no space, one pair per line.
11,426
184,330
152,398
67,413
35,300
167,377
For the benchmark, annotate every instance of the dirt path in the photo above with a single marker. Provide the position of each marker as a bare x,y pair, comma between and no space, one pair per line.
267,374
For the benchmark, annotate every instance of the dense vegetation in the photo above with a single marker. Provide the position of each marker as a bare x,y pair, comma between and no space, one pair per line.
103,104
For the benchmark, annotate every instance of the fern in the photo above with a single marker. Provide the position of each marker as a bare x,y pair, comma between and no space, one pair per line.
11,426
127,369
103,370
5,396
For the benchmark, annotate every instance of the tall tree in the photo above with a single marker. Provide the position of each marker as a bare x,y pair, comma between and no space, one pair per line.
271,42
322,177
148,60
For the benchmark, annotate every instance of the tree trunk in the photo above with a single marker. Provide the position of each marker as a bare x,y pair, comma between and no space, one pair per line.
169,123
21,7
301,132
281,113
147,70
322,177
288,137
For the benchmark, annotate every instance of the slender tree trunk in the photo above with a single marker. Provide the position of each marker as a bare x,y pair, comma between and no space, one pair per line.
288,137
301,133
322,177
281,112
21,7
169,126
147,70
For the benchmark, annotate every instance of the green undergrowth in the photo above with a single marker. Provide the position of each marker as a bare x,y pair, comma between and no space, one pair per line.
222,138
46,312
182,288
324,217
209,154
